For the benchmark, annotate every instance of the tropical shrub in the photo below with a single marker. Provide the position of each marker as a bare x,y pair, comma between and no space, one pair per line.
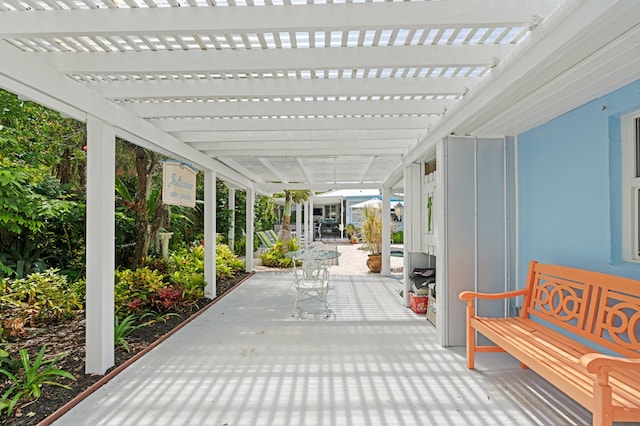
240,245
397,237
135,290
191,284
188,268
42,297
167,298
188,259
227,263
276,255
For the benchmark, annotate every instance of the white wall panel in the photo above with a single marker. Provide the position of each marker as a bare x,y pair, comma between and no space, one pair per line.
478,239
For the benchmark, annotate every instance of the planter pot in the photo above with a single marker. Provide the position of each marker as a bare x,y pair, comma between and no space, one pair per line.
375,262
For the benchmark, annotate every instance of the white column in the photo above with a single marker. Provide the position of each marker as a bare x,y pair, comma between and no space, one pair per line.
250,230
299,222
101,143
411,218
386,232
310,231
306,223
210,233
232,224
342,224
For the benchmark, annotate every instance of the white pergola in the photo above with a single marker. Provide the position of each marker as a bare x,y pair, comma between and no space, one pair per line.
315,94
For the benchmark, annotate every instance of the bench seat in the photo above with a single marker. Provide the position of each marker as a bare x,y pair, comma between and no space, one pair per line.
571,320
557,359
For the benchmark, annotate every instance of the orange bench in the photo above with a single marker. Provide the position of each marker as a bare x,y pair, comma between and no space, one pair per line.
599,310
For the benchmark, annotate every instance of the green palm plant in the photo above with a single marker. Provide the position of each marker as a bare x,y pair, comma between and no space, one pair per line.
123,328
29,385
291,196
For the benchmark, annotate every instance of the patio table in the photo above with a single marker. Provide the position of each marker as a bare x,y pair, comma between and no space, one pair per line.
313,254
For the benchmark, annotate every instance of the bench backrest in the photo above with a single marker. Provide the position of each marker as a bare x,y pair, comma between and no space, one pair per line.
602,308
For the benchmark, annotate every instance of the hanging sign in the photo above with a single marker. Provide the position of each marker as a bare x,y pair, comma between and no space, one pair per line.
178,184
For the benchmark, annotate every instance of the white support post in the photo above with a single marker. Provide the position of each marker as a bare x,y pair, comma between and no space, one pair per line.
342,224
309,229
386,232
210,233
413,219
100,256
250,230
299,222
307,215
232,225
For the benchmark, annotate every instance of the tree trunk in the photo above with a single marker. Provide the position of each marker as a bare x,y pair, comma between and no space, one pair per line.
285,231
145,163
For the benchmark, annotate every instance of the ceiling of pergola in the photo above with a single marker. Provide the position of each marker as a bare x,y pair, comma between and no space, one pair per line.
329,94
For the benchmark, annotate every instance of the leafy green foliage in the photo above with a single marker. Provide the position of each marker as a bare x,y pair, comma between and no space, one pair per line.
227,263
123,328
188,272
397,237
134,290
7,363
29,384
172,283
42,168
42,297
275,256
20,206
264,213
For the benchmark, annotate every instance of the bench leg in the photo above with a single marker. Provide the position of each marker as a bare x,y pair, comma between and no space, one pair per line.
602,408
471,337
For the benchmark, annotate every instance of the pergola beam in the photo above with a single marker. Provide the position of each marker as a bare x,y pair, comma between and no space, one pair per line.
263,109
319,151
312,17
303,146
272,188
197,138
293,124
238,88
270,60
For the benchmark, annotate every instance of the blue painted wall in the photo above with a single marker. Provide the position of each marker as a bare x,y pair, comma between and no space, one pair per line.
569,188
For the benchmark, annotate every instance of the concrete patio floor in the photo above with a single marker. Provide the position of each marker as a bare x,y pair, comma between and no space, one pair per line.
247,361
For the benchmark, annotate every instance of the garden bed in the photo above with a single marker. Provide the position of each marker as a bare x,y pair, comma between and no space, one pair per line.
69,338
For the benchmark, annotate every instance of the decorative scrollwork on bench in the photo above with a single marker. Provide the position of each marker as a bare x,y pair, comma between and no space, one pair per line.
560,299
621,322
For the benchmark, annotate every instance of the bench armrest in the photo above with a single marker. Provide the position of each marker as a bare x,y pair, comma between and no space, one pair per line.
467,296
596,362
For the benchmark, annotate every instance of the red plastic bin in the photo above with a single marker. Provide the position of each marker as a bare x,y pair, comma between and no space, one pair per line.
419,304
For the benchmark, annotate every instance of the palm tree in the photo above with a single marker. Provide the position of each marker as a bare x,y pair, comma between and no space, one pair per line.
295,196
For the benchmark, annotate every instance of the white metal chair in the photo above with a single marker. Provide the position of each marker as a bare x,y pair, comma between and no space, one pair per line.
311,282
317,245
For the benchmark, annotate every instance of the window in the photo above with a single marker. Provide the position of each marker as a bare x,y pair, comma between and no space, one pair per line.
631,187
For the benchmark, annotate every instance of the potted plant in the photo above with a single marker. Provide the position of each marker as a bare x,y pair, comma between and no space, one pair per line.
352,233
371,232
